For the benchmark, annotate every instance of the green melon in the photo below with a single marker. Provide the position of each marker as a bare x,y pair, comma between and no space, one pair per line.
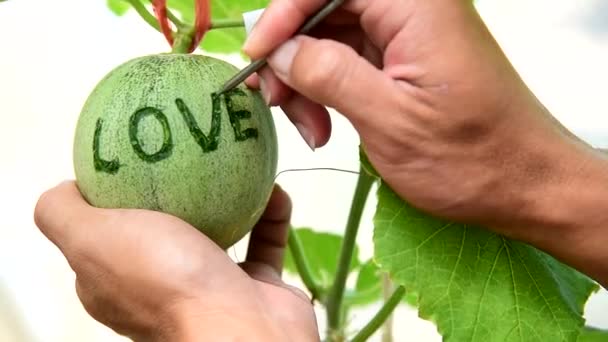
153,135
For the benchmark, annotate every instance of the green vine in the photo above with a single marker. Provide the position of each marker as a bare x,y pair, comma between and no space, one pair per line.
226,23
299,258
178,23
144,14
336,292
381,316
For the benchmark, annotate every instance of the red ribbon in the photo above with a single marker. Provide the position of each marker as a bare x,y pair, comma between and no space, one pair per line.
160,9
201,24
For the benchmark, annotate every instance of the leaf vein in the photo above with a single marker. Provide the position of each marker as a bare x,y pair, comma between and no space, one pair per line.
523,263
515,297
483,293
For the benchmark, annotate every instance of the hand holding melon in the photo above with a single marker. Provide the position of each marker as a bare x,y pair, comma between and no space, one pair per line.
153,277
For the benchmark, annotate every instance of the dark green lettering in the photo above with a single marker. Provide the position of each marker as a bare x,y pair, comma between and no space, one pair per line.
207,142
108,166
167,148
237,115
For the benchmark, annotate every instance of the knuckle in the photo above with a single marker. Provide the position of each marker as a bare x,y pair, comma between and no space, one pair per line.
329,66
60,220
466,128
288,207
378,12
43,208
284,198
85,298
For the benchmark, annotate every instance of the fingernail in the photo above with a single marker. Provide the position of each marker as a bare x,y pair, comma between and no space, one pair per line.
250,41
282,58
265,92
305,133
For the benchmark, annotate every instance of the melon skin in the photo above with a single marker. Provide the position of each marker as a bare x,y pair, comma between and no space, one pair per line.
127,155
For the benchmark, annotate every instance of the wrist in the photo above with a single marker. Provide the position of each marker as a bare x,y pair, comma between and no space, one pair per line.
567,214
190,321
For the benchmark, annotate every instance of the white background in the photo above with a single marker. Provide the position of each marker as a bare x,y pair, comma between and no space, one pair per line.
52,53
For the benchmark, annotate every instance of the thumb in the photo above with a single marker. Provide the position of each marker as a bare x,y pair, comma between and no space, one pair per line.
269,236
333,74
61,214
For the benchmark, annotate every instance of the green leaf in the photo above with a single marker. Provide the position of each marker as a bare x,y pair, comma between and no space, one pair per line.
322,252
118,7
368,287
229,40
368,277
590,334
411,298
476,285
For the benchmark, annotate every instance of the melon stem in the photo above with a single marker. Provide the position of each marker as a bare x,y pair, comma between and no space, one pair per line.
183,40
185,33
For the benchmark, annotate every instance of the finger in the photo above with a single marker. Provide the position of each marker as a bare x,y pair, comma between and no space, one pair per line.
273,89
334,75
275,92
282,18
342,16
311,120
253,81
353,36
269,236
59,212
266,274
262,272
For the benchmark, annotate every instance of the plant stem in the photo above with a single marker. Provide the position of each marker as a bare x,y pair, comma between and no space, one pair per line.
382,315
183,40
143,12
336,293
226,23
175,20
387,327
299,258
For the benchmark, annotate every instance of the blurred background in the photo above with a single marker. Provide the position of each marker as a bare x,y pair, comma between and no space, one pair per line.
52,53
